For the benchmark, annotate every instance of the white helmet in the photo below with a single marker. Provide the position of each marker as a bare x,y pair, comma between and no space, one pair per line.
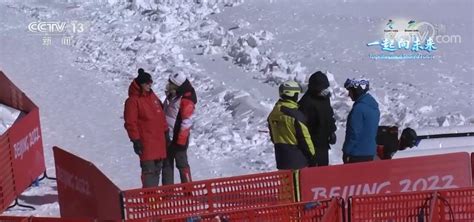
289,88
177,79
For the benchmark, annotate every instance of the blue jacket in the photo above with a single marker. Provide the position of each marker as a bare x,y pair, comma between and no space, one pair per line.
361,128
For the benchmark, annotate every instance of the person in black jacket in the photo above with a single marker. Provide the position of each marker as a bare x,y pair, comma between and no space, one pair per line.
388,143
316,105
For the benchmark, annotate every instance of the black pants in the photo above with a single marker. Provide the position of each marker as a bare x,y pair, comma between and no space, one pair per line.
356,159
180,156
322,157
151,170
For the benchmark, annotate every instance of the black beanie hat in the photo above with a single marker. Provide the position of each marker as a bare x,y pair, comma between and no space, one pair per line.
143,77
318,82
408,138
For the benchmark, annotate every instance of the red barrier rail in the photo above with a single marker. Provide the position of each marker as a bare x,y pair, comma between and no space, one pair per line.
438,206
7,183
336,212
21,146
215,195
27,150
83,190
433,172
317,211
13,219
53,219
457,205
41,219
403,207
472,166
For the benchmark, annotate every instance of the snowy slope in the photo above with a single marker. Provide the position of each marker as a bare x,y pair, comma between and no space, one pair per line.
235,54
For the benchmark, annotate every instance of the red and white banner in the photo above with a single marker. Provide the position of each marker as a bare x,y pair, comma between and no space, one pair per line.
21,146
27,150
387,176
83,190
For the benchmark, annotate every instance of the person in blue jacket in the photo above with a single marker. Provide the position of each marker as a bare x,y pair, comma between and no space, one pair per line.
362,123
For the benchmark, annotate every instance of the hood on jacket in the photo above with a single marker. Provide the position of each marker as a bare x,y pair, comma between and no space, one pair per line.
318,82
368,100
187,90
318,86
135,90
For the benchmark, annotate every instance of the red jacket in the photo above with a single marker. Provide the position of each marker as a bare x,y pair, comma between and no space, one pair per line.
179,112
145,121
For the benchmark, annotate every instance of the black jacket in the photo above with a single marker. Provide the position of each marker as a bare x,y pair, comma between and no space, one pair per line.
320,116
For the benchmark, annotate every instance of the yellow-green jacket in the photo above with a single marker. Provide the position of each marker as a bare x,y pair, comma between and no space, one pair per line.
293,145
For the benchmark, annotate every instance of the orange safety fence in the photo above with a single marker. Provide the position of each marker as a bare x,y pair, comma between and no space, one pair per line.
7,181
214,195
41,219
472,166
406,207
336,212
21,146
434,172
315,211
457,205
435,206
13,219
83,190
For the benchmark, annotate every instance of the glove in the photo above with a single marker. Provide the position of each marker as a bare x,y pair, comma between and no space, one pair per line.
137,147
332,138
345,158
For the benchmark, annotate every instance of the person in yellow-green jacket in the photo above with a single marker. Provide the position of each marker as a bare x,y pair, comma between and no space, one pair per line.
294,148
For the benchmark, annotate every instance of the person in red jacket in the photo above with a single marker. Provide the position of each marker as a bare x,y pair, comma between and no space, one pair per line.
146,127
179,108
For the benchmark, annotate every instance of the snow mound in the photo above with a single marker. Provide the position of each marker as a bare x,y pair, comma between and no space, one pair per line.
250,51
227,124
8,116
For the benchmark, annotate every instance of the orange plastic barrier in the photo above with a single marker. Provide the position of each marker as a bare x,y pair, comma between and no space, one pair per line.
336,212
472,165
7,181
438,206
21,146
84,191
321,211
406,207
41,219
457,205
53,219
215,195
413,174
13,219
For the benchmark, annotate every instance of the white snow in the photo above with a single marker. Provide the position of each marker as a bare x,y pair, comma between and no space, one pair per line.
434,151
236,54
445,130
8,115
